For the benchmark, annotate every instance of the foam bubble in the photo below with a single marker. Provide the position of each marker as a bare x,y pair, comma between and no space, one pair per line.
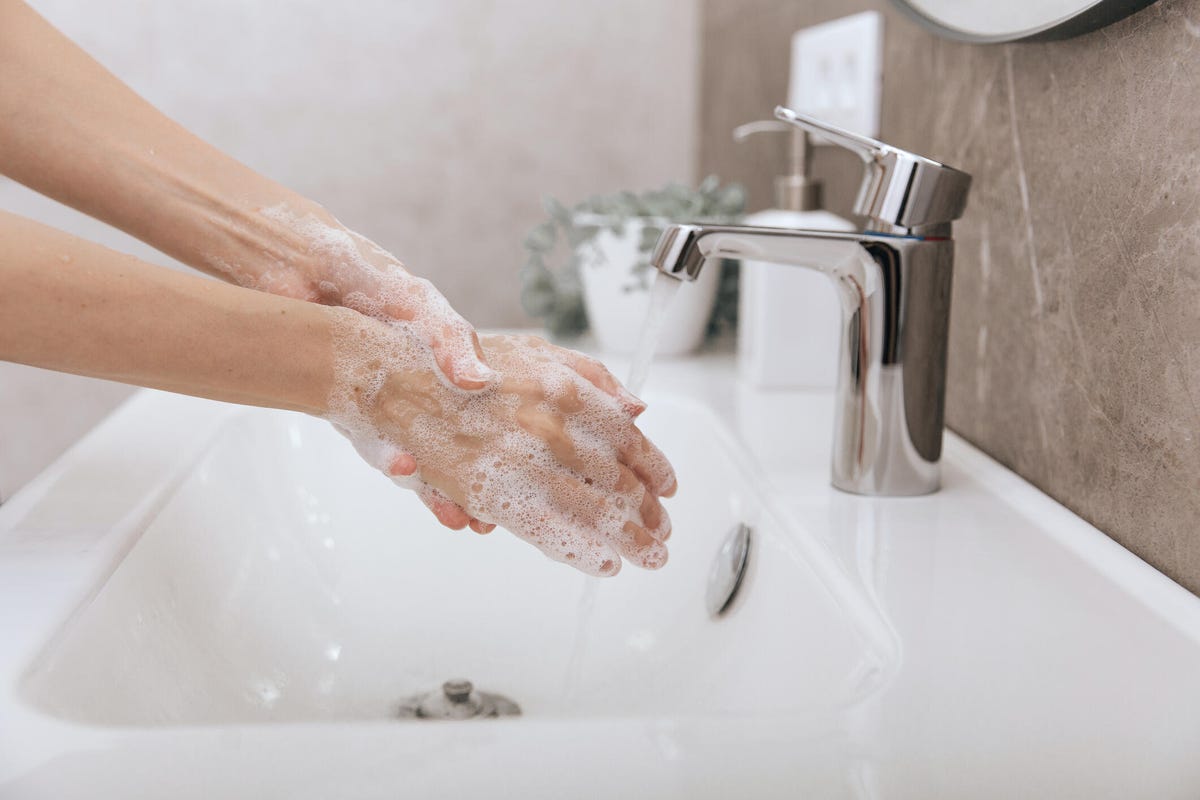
356,273
488,451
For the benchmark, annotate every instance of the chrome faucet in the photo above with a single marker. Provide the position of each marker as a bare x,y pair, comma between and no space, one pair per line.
893,280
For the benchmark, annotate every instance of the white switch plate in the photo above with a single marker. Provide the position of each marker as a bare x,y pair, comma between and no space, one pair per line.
836,72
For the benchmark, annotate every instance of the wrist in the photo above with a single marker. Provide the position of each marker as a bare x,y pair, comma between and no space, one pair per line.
296,248
261,246
380,372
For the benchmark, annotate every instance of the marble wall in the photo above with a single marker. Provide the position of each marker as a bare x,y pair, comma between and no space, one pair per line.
1075,339
432,127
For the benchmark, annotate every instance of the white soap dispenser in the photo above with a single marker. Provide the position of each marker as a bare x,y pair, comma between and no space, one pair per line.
788,317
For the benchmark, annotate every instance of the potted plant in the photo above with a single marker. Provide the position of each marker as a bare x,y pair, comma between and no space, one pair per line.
603,281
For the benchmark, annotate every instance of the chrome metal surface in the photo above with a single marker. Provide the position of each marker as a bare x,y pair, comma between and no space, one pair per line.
895,298
1019,21
901,192
458,700
728,570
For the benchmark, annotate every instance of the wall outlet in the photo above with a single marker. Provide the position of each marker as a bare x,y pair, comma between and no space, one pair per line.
836,72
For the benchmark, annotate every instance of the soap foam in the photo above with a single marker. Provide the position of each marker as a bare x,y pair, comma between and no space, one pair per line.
662,293
360,275
487,451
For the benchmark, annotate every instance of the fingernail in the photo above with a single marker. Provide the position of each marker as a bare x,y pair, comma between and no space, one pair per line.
480,372
664,528
403,465
636,406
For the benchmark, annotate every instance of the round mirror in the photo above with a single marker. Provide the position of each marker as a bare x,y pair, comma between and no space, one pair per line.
989,21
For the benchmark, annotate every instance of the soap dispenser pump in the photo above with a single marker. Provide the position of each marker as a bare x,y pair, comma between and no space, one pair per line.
795,191
788,318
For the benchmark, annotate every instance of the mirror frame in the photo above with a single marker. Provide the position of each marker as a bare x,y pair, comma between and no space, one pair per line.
1096,16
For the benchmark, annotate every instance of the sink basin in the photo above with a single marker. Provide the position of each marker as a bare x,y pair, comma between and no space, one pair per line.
284,580
210,601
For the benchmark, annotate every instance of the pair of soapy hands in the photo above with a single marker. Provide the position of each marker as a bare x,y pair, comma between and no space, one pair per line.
514,431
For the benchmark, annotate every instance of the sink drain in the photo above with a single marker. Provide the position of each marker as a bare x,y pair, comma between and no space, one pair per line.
458,699
728,571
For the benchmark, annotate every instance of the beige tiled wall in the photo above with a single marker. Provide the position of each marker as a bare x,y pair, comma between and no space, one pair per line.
433,127
1075,340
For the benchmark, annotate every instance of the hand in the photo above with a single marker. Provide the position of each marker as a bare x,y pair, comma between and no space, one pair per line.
342,268
327,263
547,450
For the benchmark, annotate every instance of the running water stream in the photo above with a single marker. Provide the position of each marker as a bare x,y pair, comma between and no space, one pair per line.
574,673
661,294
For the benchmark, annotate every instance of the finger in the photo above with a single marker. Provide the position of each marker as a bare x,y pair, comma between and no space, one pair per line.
584,550
447,511
609,515
450,513
380,453
654,517
460,358
402,465
558,516
481,527
635,544
598,375
550,428
614,518
649,464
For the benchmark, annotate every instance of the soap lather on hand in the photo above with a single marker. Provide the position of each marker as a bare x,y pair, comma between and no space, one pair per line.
548,450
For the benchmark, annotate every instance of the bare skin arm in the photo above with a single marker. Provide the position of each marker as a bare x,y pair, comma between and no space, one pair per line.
543,450
73,306
70,130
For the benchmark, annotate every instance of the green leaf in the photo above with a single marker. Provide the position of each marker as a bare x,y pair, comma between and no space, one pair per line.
730,200
578,234
554,292
557,211
538,295
541,239
660,206
599,204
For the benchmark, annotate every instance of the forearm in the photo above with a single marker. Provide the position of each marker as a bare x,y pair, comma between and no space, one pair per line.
73,131
73,306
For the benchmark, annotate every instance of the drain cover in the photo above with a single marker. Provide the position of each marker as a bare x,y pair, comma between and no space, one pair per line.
728,569
458,699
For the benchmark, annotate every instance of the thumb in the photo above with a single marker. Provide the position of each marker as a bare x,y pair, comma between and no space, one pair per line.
460,358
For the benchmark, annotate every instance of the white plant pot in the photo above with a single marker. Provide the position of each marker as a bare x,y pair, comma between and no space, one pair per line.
617,297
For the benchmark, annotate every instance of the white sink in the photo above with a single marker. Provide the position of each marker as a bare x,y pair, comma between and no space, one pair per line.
285,580
208,601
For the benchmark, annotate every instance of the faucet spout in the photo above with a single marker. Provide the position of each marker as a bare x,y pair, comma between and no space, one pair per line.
895,299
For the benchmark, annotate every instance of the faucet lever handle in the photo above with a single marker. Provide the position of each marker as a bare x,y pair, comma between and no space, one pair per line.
899,189
864,146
